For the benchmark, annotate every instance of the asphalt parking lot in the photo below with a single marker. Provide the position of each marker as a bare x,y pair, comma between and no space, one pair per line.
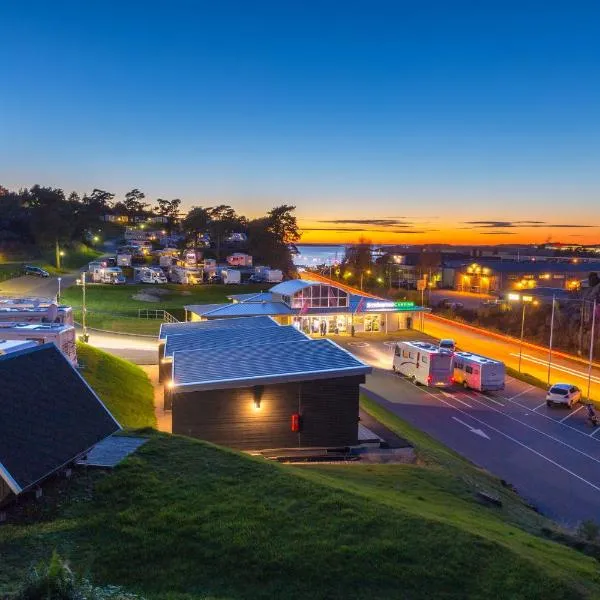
551,455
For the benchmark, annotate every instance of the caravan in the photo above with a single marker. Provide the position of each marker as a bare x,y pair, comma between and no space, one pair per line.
110,275
478,372
148,275
424,363
185,275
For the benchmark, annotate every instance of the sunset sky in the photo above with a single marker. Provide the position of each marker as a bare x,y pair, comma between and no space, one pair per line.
406,122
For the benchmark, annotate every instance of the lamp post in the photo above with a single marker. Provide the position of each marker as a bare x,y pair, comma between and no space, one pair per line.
591,350
525,300
83,309
368,272
59,279
551,337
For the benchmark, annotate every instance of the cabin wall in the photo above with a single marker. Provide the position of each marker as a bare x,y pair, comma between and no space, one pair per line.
328,410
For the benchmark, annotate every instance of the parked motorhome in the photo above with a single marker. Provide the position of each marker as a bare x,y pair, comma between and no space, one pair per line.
231,276
124,260
267,275
166,261
62,336
111,275
34,310
424,363
185,275
148,275
239,259
478,372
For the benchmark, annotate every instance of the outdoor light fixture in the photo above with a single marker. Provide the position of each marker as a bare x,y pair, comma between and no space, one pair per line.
170,384
257,392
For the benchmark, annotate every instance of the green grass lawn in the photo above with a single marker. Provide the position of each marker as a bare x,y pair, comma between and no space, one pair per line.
112,307
123,387
186,519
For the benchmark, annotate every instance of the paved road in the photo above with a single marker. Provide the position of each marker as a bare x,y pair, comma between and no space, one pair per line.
138,349
552,456
469,299
534,361
29,285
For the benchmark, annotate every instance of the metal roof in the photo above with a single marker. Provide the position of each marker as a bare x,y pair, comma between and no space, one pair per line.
49,416
256,297
190,326
221,338
260,364
290,287
242,309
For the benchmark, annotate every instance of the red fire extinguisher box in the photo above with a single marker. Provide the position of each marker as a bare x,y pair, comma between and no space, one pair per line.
296,422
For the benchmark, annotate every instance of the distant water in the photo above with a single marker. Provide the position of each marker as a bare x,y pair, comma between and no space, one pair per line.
311,256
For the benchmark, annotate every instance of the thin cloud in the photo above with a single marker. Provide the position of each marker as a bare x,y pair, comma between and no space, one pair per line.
497,233
354,230
374,222
513,224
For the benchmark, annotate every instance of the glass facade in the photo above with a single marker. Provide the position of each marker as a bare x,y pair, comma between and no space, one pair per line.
320,296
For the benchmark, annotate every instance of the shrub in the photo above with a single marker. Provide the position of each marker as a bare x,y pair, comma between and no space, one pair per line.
589,530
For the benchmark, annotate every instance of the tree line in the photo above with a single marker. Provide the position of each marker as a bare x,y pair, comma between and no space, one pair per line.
46,217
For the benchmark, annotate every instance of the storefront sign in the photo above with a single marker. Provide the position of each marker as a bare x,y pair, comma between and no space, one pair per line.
385,305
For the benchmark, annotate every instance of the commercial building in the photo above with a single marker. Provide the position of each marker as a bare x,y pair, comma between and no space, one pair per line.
49,417
263,387
501,276
314,307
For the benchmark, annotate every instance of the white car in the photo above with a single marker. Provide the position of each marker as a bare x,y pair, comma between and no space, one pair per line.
448,345
564,394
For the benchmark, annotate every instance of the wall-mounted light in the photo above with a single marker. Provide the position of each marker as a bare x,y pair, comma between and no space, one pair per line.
257,392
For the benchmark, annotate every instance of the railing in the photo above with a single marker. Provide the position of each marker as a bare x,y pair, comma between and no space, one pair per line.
150,313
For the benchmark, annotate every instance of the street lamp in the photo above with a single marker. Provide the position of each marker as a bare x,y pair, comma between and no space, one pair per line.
368,272
525,300
59,279
81,282
551,336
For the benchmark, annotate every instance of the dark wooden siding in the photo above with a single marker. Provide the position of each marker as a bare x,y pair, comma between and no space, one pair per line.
161,354
328,409
5,491
165,370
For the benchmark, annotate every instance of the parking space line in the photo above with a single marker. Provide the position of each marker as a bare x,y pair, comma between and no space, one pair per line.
555,439
508,437
571,414
528,389
492,400
553,420
540,406
594,433
454,398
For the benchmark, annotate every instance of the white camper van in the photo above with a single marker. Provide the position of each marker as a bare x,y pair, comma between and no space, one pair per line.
231,276
148,275
478,372
424,363
112,275
124,260
185,275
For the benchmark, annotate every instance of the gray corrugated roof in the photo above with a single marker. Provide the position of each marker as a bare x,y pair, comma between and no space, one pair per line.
206,340
243,309
242,322
288,288
259,364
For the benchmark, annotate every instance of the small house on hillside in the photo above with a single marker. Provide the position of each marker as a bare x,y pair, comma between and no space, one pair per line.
49,417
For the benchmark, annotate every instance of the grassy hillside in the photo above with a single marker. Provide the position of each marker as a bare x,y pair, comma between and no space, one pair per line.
185,519
112,307
123,387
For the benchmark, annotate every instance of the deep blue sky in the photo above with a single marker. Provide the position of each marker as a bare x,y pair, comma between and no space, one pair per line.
441,112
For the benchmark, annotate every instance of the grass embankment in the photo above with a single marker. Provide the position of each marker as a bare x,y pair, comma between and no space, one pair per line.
74,258
112,307
185,519
123,387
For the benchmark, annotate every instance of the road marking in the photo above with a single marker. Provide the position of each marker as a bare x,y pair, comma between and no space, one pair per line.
556,367
455,398
492,400
540,406
478,432
594,433
555,439
528,389
508,437
571,414
552,419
